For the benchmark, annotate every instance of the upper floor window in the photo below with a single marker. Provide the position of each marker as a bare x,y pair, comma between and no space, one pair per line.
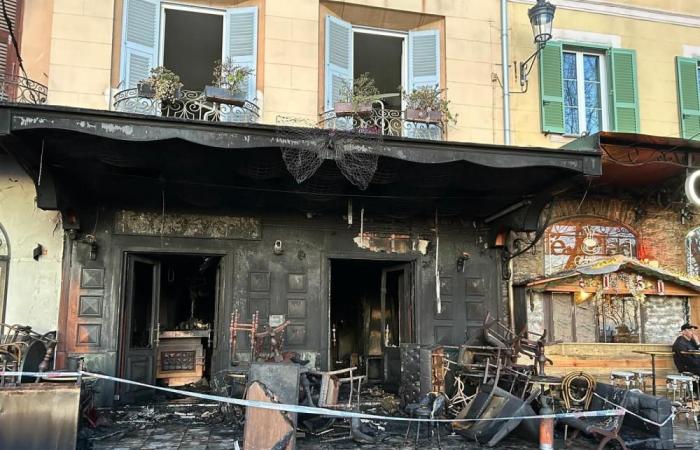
585,108
574,84
575,242
688,76
187,40
393,59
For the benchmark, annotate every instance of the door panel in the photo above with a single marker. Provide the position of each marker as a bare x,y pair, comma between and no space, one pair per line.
403,289
140,333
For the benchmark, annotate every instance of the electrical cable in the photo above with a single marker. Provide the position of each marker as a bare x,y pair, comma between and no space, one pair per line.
8,22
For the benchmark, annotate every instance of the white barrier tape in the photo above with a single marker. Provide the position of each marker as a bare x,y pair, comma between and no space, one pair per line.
40,374
643,419
309,409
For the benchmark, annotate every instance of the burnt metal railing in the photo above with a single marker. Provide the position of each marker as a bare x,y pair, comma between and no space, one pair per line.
191,105
18,89
383,121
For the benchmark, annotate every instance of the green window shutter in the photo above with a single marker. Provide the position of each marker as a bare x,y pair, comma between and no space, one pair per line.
688,97
624,98
551,88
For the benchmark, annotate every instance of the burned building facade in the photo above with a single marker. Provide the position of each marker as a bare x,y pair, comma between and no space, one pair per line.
173,227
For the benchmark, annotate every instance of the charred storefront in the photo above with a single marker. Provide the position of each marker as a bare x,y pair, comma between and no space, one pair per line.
176,229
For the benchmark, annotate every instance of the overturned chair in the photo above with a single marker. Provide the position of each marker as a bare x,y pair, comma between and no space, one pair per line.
604,428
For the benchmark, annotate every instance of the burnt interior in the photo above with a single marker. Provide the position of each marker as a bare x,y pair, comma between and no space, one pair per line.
356,314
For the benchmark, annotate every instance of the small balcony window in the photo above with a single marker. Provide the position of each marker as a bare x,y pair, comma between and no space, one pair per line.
187,40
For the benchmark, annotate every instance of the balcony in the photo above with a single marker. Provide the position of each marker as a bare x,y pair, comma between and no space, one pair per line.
383,121
22,90
192,105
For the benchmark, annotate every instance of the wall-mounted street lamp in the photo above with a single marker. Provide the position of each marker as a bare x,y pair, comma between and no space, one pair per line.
541,17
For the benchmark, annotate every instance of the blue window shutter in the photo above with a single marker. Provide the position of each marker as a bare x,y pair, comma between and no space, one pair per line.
139,40
339,48
241,43
624,113
552,88
688,80
423,70
423,59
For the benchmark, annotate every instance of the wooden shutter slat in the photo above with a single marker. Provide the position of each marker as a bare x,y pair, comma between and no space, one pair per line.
688,97
625,100
551,88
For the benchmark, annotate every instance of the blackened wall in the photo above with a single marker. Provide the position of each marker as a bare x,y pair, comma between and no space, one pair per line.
294,283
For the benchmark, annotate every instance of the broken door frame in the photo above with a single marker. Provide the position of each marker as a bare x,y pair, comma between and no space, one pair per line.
326,289
224,278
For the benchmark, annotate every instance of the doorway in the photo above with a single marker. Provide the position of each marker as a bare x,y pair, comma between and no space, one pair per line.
168,320
371,311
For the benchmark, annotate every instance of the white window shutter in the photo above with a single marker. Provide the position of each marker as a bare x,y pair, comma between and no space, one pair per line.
241,43
139,40
339,48
423,59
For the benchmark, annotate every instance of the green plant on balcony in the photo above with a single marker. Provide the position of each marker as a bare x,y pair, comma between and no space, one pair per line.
428,104
163,84
229,83
356,97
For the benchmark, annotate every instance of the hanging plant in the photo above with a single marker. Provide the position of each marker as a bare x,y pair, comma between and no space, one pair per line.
163,84
428,104
356,97
228,84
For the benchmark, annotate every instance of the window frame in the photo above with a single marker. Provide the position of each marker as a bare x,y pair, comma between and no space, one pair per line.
404,49
602,53
189,8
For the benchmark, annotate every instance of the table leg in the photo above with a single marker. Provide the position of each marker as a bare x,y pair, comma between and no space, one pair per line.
653,374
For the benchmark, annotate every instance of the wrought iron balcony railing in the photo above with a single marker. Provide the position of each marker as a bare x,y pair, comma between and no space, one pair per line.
383,121
22,90
192,105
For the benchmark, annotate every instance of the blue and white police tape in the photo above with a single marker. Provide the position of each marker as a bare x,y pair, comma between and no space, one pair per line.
306,409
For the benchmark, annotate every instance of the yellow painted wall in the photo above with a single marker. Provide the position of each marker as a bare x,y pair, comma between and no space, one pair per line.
84,42
656,44
81,46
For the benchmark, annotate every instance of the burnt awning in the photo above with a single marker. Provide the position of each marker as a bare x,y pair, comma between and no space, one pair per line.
632,160
86,157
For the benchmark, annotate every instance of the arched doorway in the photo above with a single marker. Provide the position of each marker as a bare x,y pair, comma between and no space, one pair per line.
576,241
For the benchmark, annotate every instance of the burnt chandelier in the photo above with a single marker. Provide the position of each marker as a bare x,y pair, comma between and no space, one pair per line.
541,17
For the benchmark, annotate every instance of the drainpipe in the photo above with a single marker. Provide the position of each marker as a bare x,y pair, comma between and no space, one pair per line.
505,80
505,77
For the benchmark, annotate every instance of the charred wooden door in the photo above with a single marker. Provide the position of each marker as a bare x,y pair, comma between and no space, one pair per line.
402,289
140,326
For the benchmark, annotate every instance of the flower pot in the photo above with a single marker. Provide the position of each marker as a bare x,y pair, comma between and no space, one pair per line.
345,109
145,90
222,95
423,115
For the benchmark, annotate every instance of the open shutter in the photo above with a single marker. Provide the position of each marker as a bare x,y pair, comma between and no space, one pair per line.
338,58
423,59
551,88
423,70
140,40
624,98
241,43
688,97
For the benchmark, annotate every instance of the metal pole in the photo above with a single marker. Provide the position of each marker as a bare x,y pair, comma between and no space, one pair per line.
505,77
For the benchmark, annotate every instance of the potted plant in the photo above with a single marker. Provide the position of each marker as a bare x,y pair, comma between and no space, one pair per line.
163,84
427,104
356,98
228,83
